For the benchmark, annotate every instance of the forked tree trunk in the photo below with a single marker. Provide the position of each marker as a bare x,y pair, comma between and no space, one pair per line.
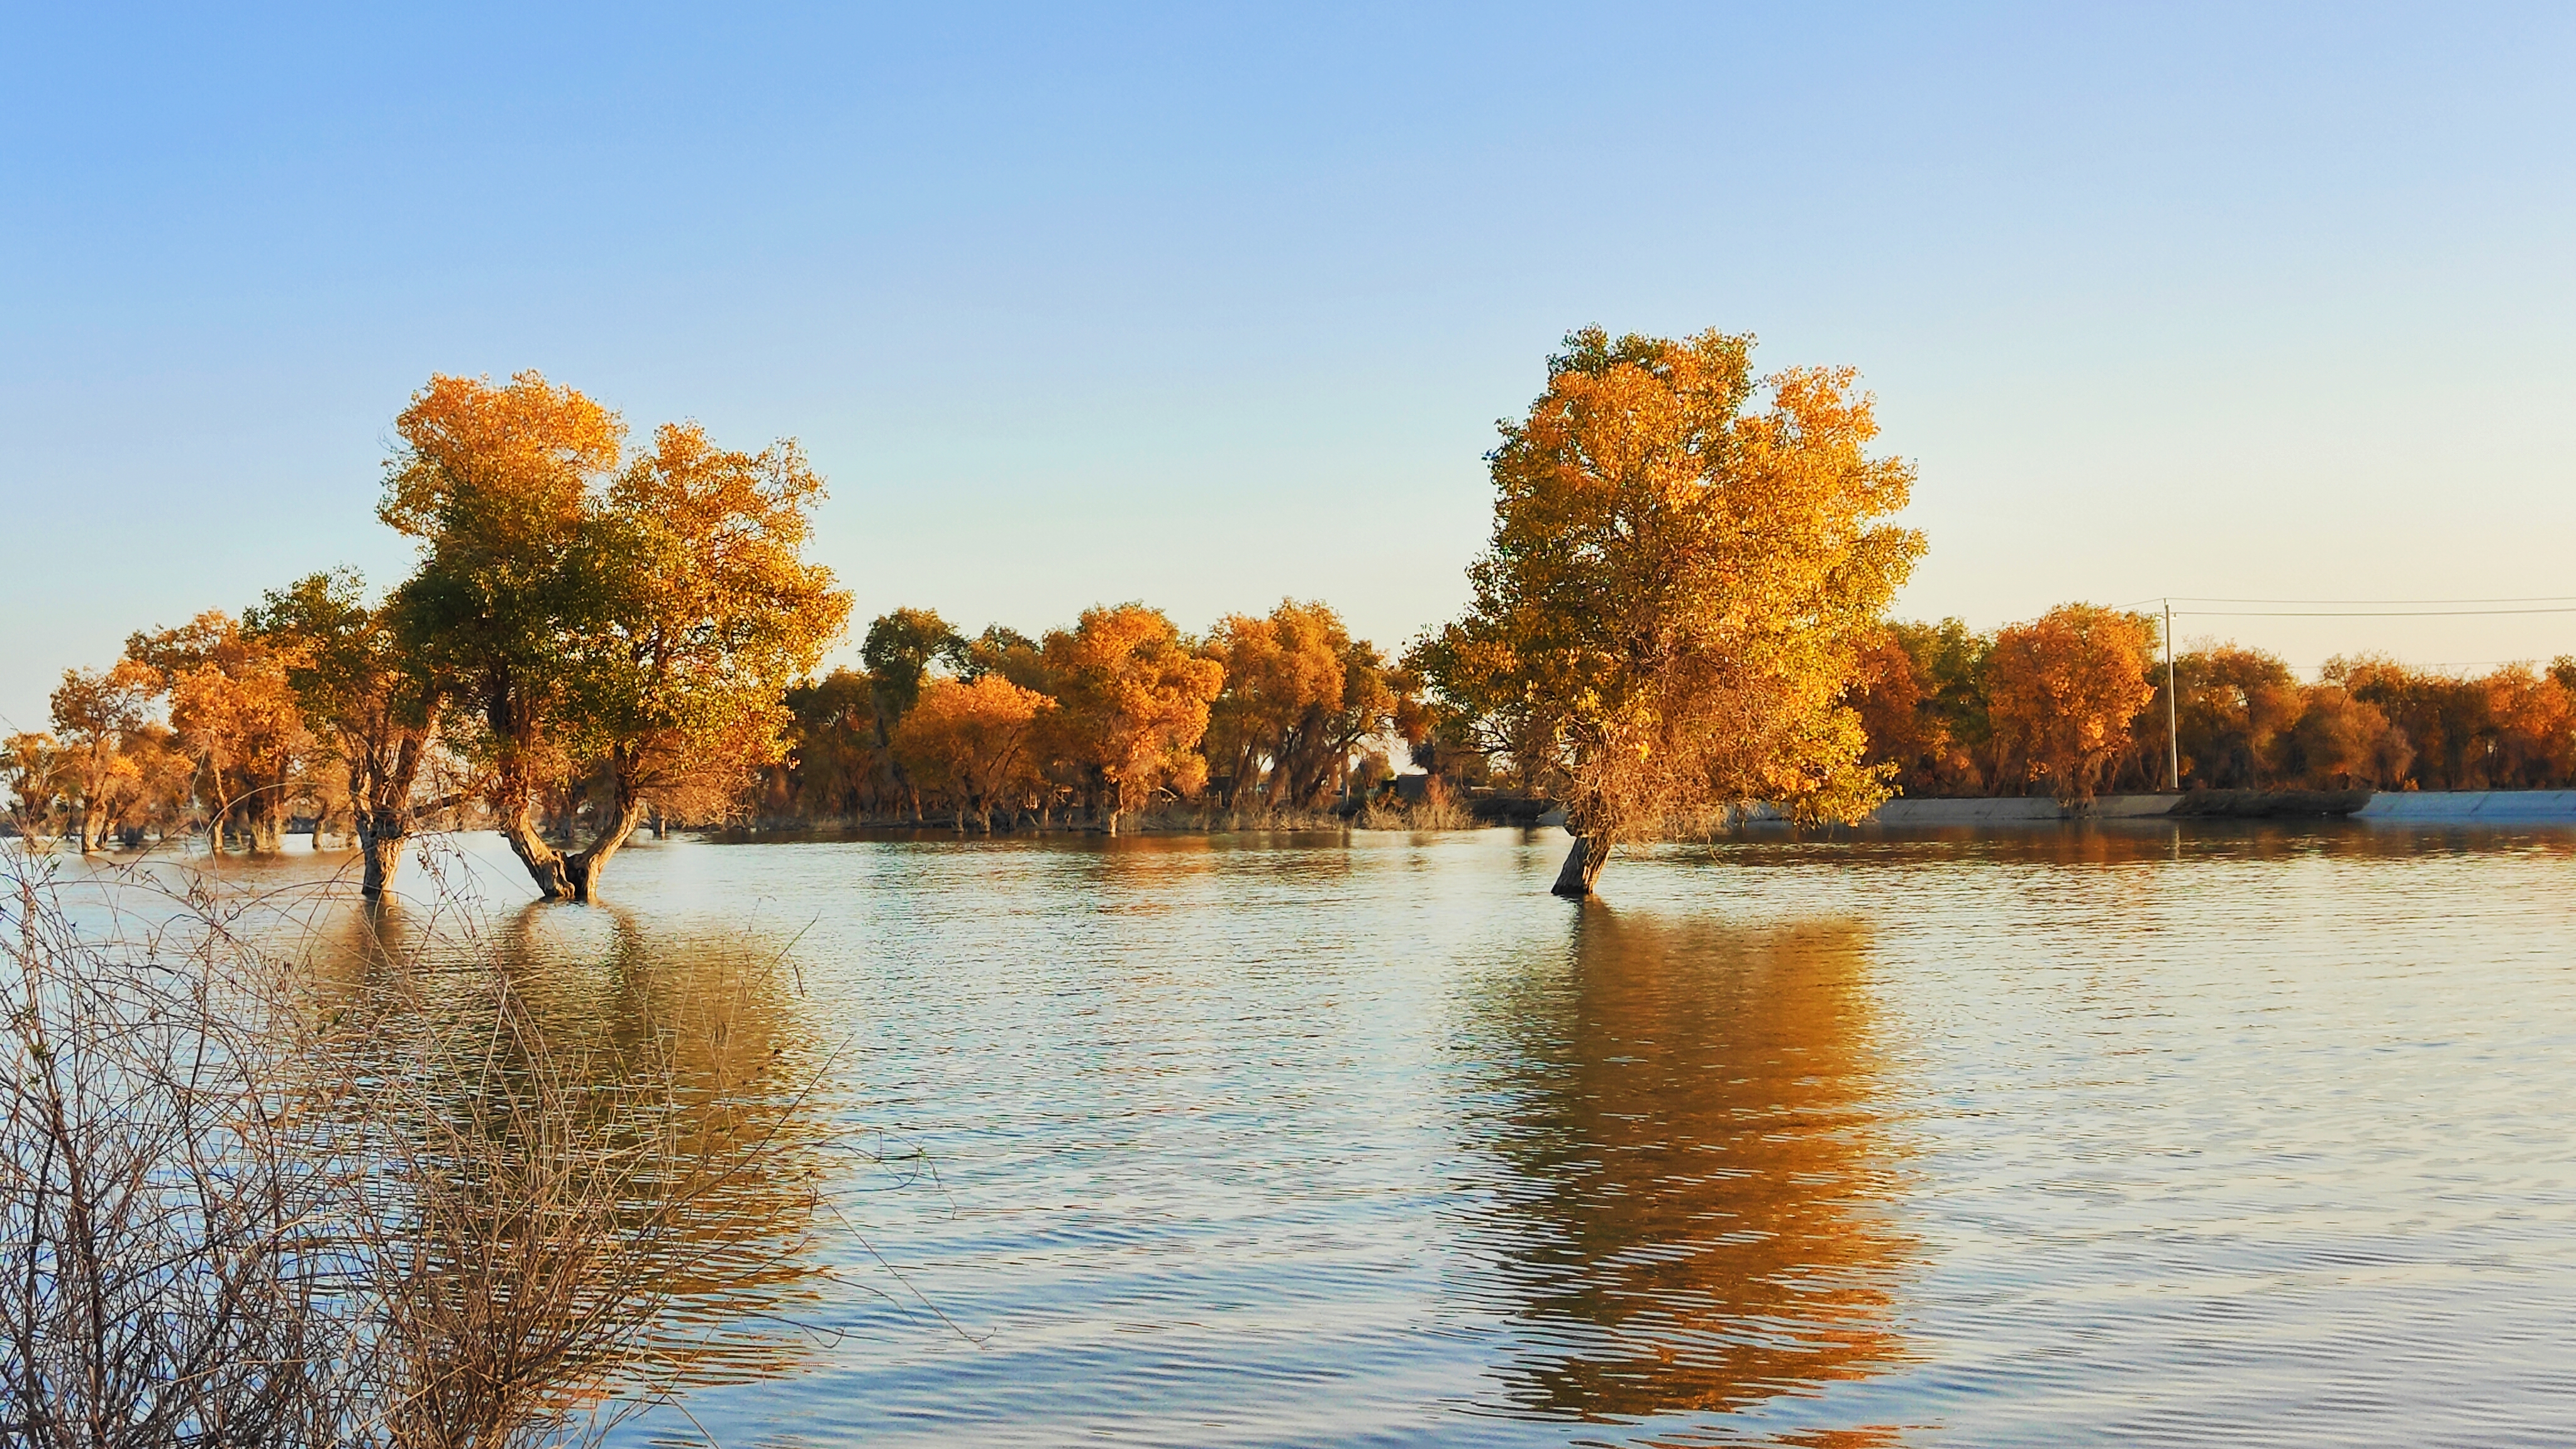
381,837
518,821
1582,866
384,759
582,870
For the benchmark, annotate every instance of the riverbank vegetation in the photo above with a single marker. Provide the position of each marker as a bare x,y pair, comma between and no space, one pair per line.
1680,610
2074,703
592,631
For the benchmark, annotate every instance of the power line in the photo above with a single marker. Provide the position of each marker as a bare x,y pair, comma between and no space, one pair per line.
2411,603
2362,613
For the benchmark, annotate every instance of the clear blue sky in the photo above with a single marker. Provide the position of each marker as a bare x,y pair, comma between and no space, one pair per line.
1206,307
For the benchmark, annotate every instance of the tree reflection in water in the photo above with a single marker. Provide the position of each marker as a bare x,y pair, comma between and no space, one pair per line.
1695,1208
710,1030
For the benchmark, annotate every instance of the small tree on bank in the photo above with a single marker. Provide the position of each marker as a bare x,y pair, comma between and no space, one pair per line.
117,765
2063,691
974,743
237,718
1677,590
1131,706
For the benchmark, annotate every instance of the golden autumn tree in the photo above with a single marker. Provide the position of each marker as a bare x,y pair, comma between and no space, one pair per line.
1300,696
2534,717
975,742
710,612
237,717
2236,709
1677,589
2340,742
499,486
2062,691
113,763
373,699
624,630
33,766
1132,704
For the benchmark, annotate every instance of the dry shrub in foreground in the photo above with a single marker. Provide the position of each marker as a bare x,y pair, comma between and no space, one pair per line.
236,1217
176,1272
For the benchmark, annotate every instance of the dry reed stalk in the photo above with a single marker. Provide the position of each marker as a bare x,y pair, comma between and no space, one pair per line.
1437,810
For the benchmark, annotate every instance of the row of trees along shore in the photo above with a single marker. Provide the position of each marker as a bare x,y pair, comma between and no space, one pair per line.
2075,702
1681,609
594,629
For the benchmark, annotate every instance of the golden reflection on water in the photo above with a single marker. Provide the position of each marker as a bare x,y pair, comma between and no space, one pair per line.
714,1026
1699,1198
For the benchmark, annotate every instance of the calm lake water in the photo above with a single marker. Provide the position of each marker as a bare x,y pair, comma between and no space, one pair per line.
2191,1135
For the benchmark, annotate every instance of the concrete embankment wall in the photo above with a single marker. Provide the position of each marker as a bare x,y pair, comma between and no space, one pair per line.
2476,807
2030,810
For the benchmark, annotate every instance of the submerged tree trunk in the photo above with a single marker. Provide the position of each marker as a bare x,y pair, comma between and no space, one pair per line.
1582,866
382,852
582,870
384,758
514,805
265,824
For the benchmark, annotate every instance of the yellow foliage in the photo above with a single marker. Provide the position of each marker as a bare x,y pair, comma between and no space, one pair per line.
1678,586
1300,696
619,633
2062,691
975,743
1133,703
237,716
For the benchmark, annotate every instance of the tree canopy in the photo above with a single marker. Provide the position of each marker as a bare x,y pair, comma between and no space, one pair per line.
1677,589
1132,704
2063,691
623,629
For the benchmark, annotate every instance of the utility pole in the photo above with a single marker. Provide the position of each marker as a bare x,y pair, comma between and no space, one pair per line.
2173,736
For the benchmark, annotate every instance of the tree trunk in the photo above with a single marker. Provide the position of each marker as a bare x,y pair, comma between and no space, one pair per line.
381,840
515,804
267,830
582,871
1582,866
